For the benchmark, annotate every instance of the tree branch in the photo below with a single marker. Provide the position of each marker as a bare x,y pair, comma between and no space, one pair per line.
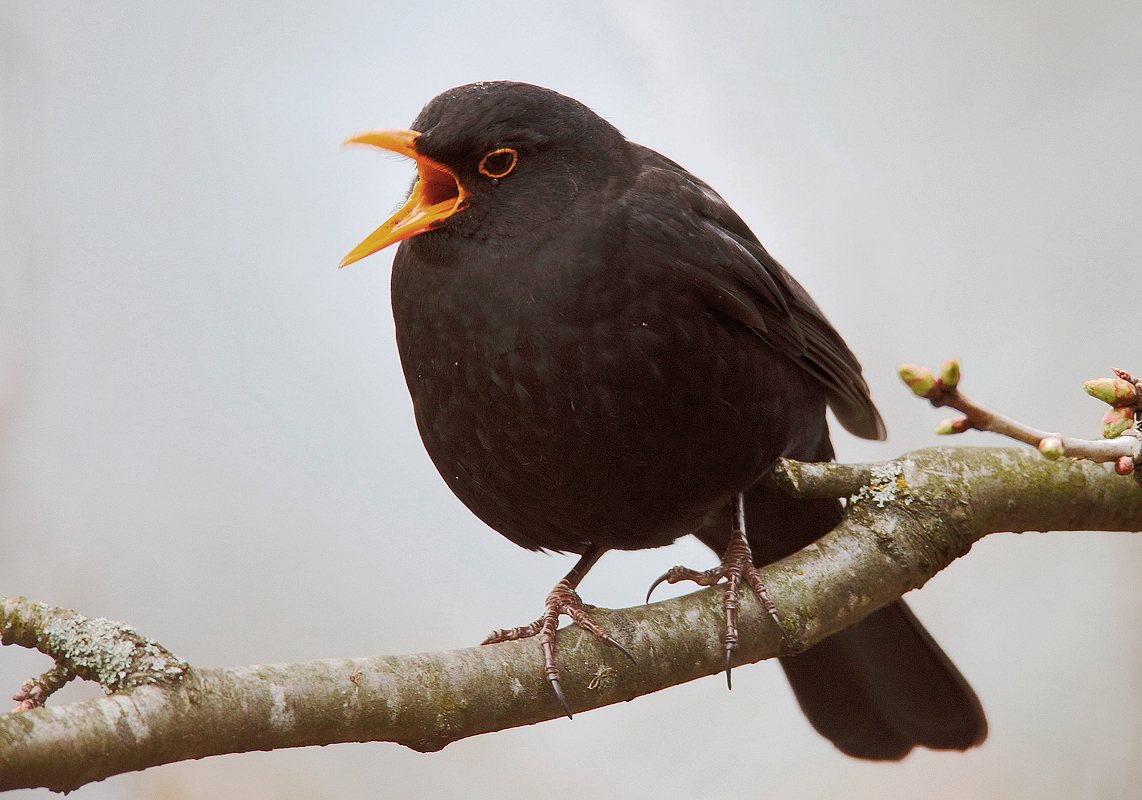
907,519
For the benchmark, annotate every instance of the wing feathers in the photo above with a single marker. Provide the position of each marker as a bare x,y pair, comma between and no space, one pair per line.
730,267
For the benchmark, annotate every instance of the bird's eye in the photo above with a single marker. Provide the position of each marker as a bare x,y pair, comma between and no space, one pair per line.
499,163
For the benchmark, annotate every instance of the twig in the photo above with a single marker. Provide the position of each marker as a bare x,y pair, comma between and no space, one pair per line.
1121,446
35,692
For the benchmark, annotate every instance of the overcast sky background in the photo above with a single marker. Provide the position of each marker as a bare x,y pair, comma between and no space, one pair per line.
204,430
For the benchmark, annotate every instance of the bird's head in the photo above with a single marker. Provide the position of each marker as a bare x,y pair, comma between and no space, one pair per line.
492,157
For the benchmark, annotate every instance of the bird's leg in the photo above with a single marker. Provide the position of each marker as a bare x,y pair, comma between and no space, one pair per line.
563,599
737,564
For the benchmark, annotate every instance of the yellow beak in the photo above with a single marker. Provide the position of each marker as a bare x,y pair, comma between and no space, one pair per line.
436,196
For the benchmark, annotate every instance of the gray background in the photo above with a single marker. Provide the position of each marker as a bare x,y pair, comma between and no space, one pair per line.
204,430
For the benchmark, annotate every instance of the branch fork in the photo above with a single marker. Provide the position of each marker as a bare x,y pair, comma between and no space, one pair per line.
110,653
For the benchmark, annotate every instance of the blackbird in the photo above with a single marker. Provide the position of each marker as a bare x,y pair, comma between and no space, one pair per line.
602,356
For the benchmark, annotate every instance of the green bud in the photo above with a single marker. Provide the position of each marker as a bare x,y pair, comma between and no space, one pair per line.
953,425
1051,448
1115,421
919,380
950,373
1114,391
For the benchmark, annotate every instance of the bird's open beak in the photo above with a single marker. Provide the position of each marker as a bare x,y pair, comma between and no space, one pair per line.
436,196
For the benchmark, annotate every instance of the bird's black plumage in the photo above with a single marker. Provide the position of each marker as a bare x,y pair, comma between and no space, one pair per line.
601,355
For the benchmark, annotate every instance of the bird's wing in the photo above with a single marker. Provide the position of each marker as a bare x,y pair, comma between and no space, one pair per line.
672,213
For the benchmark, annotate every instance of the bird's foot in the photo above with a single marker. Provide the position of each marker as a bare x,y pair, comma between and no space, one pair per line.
563,599
737,565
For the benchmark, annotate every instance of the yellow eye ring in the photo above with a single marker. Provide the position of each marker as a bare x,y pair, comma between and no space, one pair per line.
499,163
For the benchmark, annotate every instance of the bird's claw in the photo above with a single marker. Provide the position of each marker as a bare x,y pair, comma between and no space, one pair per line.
663,577
678,574
737,564
563,600
554,680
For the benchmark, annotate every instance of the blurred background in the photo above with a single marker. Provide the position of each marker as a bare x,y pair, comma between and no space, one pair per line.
204,430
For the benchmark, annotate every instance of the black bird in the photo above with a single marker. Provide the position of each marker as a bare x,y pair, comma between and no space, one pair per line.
602,356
